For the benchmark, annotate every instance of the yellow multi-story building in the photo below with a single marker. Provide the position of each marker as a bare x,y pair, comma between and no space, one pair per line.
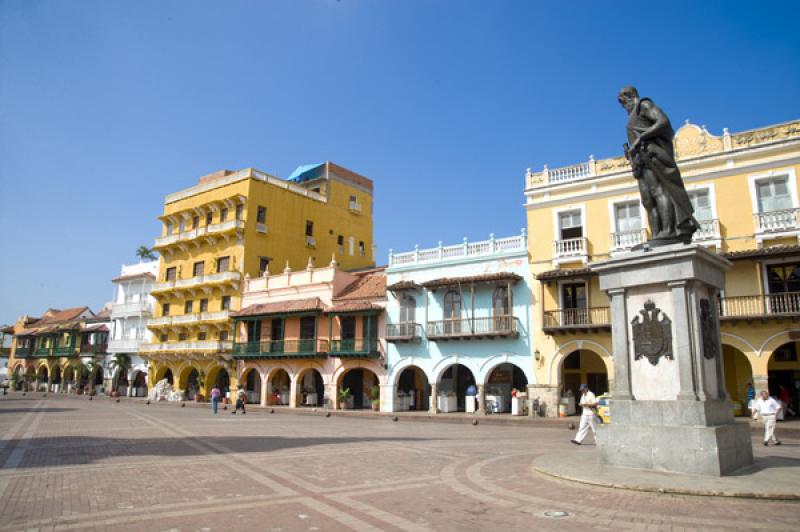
744,190
234,225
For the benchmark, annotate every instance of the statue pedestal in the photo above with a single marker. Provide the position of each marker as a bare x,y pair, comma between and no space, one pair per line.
669,407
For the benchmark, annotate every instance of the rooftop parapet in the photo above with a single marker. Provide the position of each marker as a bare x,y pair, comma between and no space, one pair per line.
466,250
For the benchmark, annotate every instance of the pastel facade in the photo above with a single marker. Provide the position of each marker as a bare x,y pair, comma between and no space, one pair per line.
237,224
744,189
459,316
130,311
304,336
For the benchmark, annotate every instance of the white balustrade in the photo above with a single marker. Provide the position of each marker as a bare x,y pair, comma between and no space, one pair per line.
570,247
569,173
355,206
133,307
708,230
623,240
209,345
484,248
775,221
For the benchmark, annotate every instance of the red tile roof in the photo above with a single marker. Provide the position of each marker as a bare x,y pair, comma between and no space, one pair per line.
368,286
403,285
353,306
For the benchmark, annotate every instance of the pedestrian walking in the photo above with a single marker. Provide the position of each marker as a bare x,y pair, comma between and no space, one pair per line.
588,403
767,407
216,393
241,400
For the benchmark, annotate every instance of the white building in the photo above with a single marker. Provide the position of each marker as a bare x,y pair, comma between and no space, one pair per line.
132,308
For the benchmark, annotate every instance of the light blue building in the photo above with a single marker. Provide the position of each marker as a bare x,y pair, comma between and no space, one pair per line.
459,317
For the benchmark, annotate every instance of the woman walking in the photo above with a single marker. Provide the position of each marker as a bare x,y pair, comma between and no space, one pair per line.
215,395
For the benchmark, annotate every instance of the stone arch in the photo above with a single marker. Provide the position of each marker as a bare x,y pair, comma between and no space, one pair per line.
252,381
740,343
219,374
440,367
411,390
360,379
164,372
270,372
370,365
738,373
404,363
310,392
278,395
783,372
183,375
491,363
777,340
453,385
565,349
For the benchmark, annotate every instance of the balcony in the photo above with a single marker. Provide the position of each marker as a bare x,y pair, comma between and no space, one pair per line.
591,319
298,348
708,230
354,207
124,345
94,349
65,351
23,352
189,319
625,240
512,245
403,332
191,282
473,328
133,308
42,352
209,230
762,307
777,221
355,348
570,249
174,347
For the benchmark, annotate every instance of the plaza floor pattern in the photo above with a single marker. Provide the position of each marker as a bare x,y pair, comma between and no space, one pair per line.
67,463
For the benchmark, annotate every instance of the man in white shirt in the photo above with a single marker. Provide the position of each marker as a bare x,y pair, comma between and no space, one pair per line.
588,403
768,408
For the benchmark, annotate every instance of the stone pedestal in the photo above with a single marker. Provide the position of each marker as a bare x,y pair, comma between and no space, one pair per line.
669,407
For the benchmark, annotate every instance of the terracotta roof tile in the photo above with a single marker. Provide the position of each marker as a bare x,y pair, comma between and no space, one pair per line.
58,316
770,251
403,285
563,273
283,307
353,306
370,286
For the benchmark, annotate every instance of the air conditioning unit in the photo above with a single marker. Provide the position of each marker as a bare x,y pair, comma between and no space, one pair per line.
310,242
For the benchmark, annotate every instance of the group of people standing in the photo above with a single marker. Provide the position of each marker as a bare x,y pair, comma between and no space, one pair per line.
241,400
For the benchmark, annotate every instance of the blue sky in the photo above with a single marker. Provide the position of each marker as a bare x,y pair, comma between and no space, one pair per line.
106,106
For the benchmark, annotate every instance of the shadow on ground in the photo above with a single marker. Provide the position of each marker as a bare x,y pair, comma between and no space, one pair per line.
37,410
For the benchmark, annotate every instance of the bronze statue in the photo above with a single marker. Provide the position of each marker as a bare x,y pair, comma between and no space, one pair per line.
652,159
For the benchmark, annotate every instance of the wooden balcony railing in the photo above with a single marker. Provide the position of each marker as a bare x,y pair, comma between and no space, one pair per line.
295,348
576,318
23,352
43,351
403,332
65,350
95,349
760,306
355,347
497,326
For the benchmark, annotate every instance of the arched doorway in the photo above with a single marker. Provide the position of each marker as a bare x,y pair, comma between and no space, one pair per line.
41,380
219,376
165,373
362,384
122,382
412,390
139,384
97,379
69,379
56,381
783,371
20,373
452,388
583,367
252,386
278,388
310,388
192,384
738,375
499,384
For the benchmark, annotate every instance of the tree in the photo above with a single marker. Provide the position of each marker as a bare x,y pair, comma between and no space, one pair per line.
144,252
120,362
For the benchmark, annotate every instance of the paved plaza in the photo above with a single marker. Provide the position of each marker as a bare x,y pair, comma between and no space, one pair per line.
73,464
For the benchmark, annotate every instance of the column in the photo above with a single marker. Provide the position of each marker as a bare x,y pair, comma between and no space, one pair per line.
293,393
263,397
696,349
432,406
682,343
760,382
481,400
619,336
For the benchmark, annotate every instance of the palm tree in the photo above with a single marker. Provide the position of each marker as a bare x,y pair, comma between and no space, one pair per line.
144,252
120,364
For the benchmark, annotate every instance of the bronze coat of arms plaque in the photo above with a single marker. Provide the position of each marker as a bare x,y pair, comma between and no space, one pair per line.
652,337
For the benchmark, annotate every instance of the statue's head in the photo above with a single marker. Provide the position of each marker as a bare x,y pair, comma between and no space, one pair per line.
627,98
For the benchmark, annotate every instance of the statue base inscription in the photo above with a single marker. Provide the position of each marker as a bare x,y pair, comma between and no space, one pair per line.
669,406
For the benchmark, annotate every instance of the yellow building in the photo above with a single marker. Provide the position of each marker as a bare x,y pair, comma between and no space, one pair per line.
238,224
744,190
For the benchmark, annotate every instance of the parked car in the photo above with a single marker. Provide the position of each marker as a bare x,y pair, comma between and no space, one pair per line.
603,411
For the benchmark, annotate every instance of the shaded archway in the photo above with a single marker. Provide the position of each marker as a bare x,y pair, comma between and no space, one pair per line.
738,375
121,384
139,384
310,388
252,386
192,383
56,380
279,386
165,373
500,383
783,371
97,379
69,378
219,376
412,390
361,383
452,388
583,367
41,377
20,373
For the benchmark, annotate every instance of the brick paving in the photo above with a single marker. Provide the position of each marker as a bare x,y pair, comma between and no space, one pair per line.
67,463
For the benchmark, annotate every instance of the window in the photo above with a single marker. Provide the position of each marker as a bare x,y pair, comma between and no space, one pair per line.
773,194
187,307
172,274
573,304
263,265
627,217
168,228
204,305
165,309
369,328
201,336
198,269
351,244
195,222
226,303
223,214
348,324
308,326
182,337
353,199
223,264
340,242
783,278
361,249
452,312
500,301
408,308
239,211
309,228
182,226
570,225
254,331
701,202
163,337
223,336
209,218
261,216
